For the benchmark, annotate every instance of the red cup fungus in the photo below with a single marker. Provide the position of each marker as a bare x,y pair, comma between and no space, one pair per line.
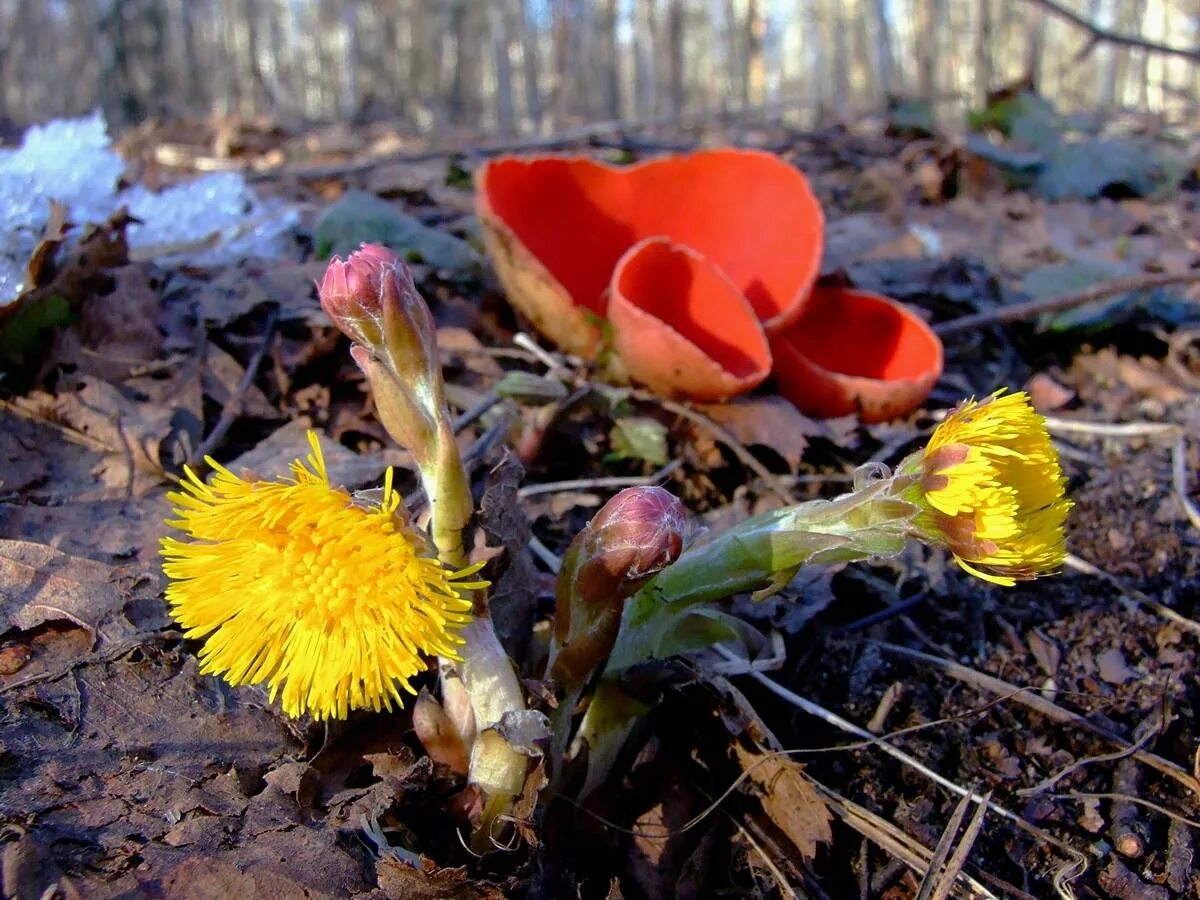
703,264
556,226
682,327
854,351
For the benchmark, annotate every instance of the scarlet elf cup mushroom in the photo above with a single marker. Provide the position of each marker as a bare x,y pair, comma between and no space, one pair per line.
695,260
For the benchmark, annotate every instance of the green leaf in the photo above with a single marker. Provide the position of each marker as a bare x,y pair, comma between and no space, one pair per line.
531,390
1089,168
1160,304
639,437
359,217
23,332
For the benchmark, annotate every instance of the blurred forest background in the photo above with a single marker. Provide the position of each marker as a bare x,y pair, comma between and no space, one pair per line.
528,67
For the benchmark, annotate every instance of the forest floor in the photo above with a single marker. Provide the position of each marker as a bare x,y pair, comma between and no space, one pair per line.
1070,703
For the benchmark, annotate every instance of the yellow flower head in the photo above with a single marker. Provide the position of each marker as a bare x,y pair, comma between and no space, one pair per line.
990,488
293,582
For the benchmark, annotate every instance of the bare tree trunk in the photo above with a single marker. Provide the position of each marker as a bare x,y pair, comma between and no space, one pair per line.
983,52
675,62
928,54
506,119
644,40
756,70
841,55
609,61
737,56
530,66
351,98
1035,42
563,25
884,61
465,103
814,40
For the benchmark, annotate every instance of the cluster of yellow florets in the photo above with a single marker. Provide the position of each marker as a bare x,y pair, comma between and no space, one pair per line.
294,584
991,489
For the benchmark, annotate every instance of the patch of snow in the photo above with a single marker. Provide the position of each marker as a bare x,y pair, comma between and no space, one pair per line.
210,221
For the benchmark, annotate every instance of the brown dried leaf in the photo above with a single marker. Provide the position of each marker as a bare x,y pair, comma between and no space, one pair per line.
116,332
129,434
789,798
273,457
768,421
400,881
514,593
39,584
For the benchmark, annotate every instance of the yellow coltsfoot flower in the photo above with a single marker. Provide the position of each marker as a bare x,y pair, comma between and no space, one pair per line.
295,583
990,489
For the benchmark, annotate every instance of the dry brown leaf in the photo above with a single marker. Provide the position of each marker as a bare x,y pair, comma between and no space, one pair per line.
788,797
39,584
116,332
400,881
768,421
128,433
273,457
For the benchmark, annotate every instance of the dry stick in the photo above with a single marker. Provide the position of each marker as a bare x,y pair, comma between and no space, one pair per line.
475,413
886,835
1071,561
1016,311
781,881
748,459
1114,37
959,859
233,406
831,718
942,851
1062,773
1045,707
1141,429
1127,798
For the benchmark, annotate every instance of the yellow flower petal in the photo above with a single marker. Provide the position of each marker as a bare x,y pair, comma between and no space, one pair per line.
295,584
991,488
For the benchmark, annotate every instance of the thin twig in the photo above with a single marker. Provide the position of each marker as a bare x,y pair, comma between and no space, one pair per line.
781,881
545,357
1014,312
748,459
545,554
476,412
831,718
592,484
942,851
1114,37
955,866
233,406
1040,704
887,836
1071,561
1058,776
1128,798
1179,479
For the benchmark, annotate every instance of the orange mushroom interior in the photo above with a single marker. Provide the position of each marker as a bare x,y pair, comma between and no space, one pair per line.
685,291
859,334
749,212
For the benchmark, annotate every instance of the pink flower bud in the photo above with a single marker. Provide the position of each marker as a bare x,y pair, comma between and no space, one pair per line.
636,535
353,289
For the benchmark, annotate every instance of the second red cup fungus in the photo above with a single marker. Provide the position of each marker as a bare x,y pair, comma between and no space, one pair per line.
854,351
682,327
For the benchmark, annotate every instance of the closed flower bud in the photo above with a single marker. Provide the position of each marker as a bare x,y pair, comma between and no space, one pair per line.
371,298
636,535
